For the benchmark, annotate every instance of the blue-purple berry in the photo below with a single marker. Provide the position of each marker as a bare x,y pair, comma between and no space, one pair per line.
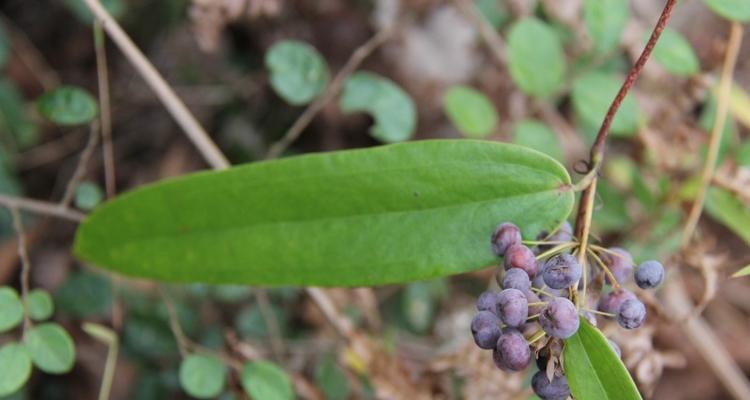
485,328
559,318
561,271
512,352
520,256
487,301
611,302
506,235
649,274
620,264
632,314
516,278
512,307
557,389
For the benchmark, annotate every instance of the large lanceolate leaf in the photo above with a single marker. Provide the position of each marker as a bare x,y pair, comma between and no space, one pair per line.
593,369
387,214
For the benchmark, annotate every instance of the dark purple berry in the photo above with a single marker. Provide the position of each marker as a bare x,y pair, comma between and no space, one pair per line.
487,301
561,271
538,282
649,275
485,327
512,307
506,235
559,318
563,234
632,314
611,302
516,278
556,390
512,351
620,264
520,256
615,347
532,297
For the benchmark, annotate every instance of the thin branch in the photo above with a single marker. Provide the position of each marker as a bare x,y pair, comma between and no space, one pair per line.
183,342
342,325
23,254
357,57
80,170
722,109
489,35
41,207
174,105
105,111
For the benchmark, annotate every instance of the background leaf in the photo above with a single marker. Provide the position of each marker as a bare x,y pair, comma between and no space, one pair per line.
470,111
592,94
495,12
265,380
538,136
50,347
67,105
298,72
388,214
744,271
13,116
729,211
593,369
116,8
11,309
202,377
535,57
15,368
88,195
737,10
392,108
675,54
743,154
331,379
605,21
40,304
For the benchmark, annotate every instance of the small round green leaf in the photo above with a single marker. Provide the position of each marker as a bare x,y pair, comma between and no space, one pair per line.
331,379
736,10
593,93
202,377
535,57
88,195
471,111
67,105
493,11
115,8
676,54
11,309
393,109
298,72
265,380
39,303
85,294
605,21
538,136
743,154
15,368
51,348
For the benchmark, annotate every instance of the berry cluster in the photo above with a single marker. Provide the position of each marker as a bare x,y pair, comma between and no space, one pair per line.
544,292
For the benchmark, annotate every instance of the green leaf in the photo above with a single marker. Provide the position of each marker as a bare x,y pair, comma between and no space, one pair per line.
298,72
202,377
535,57
265,380
736,10
40,305
538,136
388,214
393,110
51,348
13,116
593,93
471,111
743,154
11,309
15,368
676,54
116,8
729,211
84,295
744,271
593,369
495,12
728,134
418,306
605,21
67,105
88,195
331,379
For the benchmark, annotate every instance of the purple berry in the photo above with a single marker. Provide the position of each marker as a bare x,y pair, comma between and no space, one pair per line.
620,264
632,314
485,327
520,256
506,235
649,275
611,302
531,297
516,278
556,390
615,347
512,351
561,271
512,307
487,301
559,318
563,234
